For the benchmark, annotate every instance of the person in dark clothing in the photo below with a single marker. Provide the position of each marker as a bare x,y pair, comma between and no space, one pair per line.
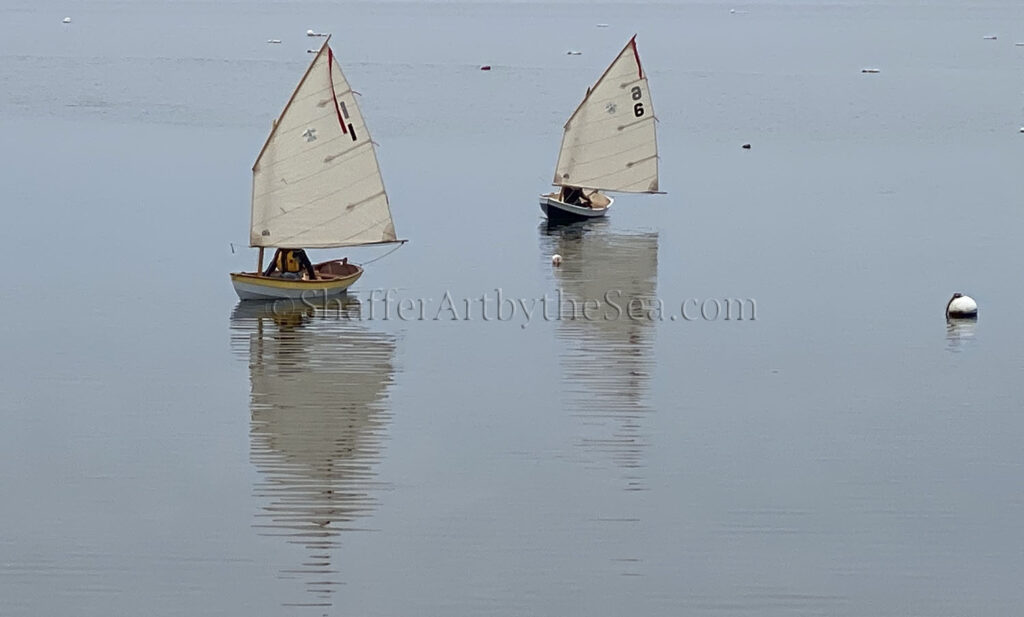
289,263
574,196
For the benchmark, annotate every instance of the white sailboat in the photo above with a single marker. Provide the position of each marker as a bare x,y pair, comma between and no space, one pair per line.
316,184
609,144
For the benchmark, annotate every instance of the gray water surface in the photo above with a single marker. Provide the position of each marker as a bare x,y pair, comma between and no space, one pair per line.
166,451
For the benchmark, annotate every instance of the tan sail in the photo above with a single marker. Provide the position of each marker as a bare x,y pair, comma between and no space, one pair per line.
316,182
610,142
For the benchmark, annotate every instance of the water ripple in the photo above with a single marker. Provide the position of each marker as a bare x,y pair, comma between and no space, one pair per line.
319,413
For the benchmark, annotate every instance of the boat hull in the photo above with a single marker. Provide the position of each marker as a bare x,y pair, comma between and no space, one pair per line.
561,212
334,278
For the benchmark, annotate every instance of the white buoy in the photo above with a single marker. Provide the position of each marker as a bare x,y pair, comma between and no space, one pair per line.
556,260
961,306
67,20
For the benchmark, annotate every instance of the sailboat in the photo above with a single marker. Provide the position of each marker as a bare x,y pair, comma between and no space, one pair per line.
609,144
316,184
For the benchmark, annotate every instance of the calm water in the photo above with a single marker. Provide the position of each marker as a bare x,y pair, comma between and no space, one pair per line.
166,452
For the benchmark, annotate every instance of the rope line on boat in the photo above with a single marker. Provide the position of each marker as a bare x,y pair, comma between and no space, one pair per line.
382,256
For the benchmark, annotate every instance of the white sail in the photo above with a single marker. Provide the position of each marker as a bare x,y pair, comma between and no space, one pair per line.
609,142
316,183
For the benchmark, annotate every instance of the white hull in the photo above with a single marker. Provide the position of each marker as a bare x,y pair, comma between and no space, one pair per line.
553,208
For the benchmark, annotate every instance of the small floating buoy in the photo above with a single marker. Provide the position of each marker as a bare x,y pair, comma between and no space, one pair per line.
745,146
989,37
485,67
556,260
961,306
733,11
67,20
1022,129
573,52
870,70
274,41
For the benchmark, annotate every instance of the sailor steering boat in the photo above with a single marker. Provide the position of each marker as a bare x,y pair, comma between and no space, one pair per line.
609,144
316,184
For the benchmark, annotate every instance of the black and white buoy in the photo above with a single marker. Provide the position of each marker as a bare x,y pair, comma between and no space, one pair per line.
961,307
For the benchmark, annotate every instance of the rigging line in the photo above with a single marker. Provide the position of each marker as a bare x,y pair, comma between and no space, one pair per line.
400,244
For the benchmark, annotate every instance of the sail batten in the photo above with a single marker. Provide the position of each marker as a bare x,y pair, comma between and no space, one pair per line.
317,182
609,142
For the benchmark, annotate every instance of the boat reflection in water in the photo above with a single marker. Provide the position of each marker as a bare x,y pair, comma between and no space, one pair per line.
607,354
319,383
959,332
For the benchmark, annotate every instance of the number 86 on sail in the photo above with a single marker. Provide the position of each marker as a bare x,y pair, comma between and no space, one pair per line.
638,107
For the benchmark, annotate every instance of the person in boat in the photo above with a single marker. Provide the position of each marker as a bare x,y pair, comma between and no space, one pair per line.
290,263
575,197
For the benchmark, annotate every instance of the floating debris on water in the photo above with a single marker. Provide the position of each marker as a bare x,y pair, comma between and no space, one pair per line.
870,70
602,25
573,52
274,41
312,51
67,20
745,146
485,67
989,37
961,306
556,260
312,33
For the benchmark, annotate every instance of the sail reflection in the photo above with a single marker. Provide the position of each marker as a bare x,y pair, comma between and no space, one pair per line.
319,383
607,354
